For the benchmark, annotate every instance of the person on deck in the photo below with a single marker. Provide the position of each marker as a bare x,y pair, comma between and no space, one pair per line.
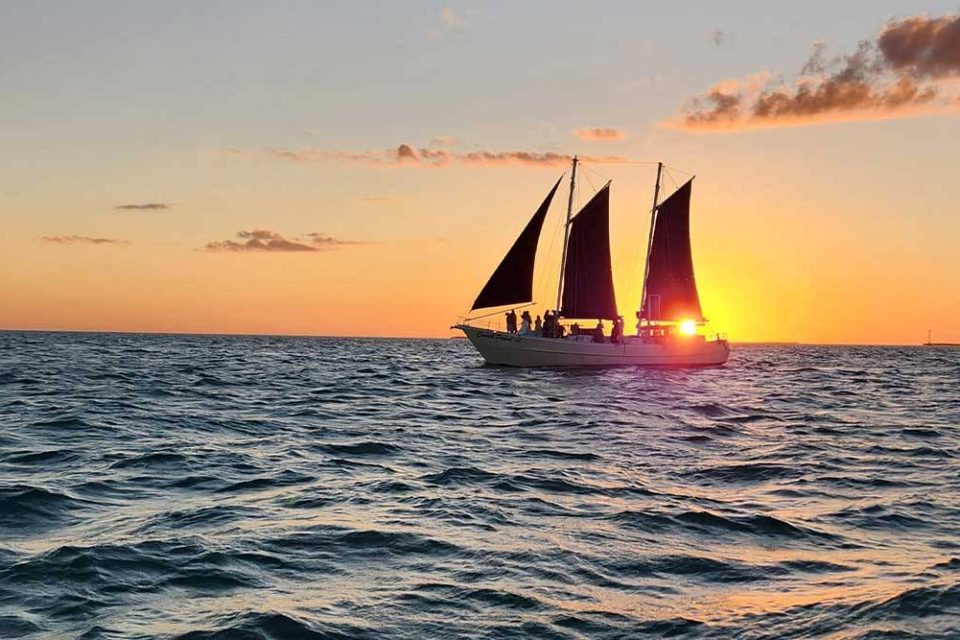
575,329
512,321
538,326
616,333
525,322
598,332
549,324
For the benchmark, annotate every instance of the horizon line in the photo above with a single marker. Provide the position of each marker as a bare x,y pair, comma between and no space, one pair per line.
374,337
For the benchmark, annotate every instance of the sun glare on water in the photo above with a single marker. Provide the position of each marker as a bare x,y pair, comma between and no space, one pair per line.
688,327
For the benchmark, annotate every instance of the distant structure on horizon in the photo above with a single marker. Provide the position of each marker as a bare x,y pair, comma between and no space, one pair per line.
931,343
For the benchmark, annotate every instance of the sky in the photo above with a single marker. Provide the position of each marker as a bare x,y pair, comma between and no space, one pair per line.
345,168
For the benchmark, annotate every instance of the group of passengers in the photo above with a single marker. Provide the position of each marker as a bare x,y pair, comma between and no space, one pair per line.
550,327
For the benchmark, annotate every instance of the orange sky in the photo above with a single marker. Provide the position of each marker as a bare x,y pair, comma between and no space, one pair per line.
843,231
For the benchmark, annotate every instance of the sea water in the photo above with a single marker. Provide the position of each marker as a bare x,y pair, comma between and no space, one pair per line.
267,487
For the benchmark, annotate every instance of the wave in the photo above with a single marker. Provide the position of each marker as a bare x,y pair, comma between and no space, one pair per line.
365,448
237,487
25,506
273,625
746,473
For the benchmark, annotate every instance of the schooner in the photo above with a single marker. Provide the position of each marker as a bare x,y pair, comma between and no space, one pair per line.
669,312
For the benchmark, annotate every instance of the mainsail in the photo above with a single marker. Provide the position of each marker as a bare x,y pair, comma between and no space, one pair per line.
587,276
512,282
670,291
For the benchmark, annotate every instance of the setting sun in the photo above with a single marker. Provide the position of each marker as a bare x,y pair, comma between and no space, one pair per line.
688,327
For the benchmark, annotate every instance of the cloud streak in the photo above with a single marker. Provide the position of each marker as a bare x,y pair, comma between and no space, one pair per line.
600,134
452,20
65,240
146,206
266,241
406,155
910,68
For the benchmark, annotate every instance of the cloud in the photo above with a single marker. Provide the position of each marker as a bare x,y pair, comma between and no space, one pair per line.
80,240
264,240
408,156
719,38
601,134
910,68
452,19
444,141
146,206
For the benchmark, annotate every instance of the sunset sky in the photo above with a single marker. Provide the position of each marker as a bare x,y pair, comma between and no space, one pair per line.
233,167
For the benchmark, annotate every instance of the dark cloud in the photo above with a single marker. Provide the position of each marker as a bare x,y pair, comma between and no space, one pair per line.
146,206
922,47
80,240
901,73
718,38
406,152
322,240
264,240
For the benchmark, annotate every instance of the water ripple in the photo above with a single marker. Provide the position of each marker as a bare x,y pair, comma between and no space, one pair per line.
253,487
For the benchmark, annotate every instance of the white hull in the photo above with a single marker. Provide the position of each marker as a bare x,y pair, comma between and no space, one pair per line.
531,350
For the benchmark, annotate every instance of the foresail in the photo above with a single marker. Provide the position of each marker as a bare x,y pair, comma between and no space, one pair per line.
671,290
588,277
512,282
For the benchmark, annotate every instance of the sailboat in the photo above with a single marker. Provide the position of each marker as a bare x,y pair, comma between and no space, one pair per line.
669,317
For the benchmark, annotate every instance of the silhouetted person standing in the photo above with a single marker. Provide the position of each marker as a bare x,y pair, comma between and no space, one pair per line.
598,332
616,333
525,322
512,321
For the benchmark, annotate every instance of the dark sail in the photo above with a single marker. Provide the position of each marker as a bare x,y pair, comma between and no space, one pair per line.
588,277
512,282
671,291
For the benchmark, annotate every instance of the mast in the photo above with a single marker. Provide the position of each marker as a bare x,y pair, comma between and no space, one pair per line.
653,218
566,233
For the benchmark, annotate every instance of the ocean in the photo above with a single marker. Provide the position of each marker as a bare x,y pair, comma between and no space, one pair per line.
197,487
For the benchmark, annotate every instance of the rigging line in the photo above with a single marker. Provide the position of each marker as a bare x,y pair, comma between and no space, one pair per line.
505,309
601,177
590,182
644,162
686,173
635,266
545,264
625,161
675,185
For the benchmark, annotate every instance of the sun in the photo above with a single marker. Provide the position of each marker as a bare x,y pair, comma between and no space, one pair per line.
688,327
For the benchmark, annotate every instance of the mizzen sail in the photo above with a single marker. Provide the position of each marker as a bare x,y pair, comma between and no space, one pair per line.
670,289
512,282
587,276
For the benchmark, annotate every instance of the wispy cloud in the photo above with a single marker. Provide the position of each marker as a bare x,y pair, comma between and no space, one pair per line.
146,206
910,68
378,199
452,20
80,240
264,240
718,38
444,141
407,156
602,134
